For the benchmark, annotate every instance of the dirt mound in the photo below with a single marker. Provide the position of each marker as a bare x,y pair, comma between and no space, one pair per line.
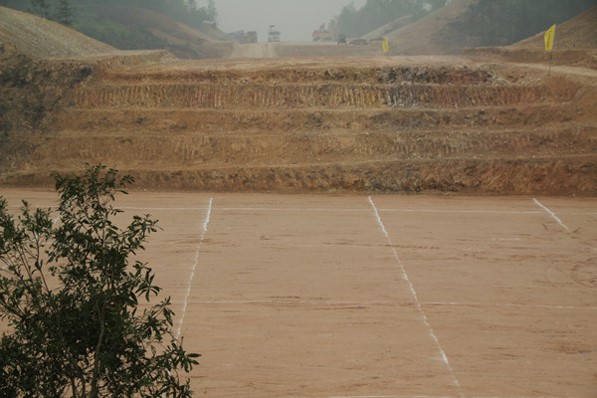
39,38
578,33
178,38
428,35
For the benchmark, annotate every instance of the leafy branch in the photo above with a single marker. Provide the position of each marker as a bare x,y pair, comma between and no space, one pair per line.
70,292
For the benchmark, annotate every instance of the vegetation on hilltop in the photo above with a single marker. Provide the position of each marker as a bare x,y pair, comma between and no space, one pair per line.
90,17
187,11
491,23
484,23
355,22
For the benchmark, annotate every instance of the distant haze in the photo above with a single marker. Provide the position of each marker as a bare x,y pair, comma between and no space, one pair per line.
296,19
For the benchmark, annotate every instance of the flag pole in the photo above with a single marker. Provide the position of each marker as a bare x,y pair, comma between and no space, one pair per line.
550,62
549,38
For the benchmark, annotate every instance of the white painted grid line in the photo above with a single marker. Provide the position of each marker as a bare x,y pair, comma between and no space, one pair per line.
190,283
533,306
339,210
124,208
480,211
364,304
164,208
386,210
388,396
306,209
414,294
552,214
440,396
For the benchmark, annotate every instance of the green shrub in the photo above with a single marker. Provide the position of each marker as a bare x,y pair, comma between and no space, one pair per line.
71,293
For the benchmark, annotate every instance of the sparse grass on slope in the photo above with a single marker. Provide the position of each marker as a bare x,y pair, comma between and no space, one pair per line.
39,38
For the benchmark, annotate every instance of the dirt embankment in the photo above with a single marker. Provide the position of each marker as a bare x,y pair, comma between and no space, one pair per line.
39,38
434,124
431,34
32,91
387,125
575,44
42,62
577,33
183,41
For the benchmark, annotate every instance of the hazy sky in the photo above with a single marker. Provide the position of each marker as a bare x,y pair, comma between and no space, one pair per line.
296,19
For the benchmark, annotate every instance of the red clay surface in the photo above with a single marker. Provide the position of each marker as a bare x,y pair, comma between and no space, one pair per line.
388,296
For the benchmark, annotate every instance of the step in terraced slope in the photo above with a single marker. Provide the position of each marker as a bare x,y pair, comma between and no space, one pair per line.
383,125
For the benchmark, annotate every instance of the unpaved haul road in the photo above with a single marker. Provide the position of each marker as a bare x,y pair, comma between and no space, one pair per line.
383,296
570,71
254,50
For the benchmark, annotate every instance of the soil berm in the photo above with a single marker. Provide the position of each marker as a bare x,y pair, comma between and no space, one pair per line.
386,124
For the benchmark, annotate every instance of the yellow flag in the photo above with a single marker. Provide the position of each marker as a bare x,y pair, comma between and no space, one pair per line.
548,38
385,45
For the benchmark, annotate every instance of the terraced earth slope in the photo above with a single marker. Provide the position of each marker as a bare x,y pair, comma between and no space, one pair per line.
334,125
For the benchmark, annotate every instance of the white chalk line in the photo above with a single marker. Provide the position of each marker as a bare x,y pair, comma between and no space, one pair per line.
295,209
332,303
432,211
390,396
480,211
552,214
339,210
128,208
414,294
164,208
193,269
315,303
530,306
439,396
353,210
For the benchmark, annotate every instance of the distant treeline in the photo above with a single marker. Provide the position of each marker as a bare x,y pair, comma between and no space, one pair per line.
354,22
66,11
503,22
485,22
92,18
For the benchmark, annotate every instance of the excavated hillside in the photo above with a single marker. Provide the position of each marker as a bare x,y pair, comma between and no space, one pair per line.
39,38
326,125
576,33
575,44
183,41
431,35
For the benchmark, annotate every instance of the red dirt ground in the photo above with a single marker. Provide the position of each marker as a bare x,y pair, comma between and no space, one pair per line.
315,296
343,296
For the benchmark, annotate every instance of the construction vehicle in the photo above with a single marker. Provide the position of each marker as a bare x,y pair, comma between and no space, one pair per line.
273,34
323,34
249,37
